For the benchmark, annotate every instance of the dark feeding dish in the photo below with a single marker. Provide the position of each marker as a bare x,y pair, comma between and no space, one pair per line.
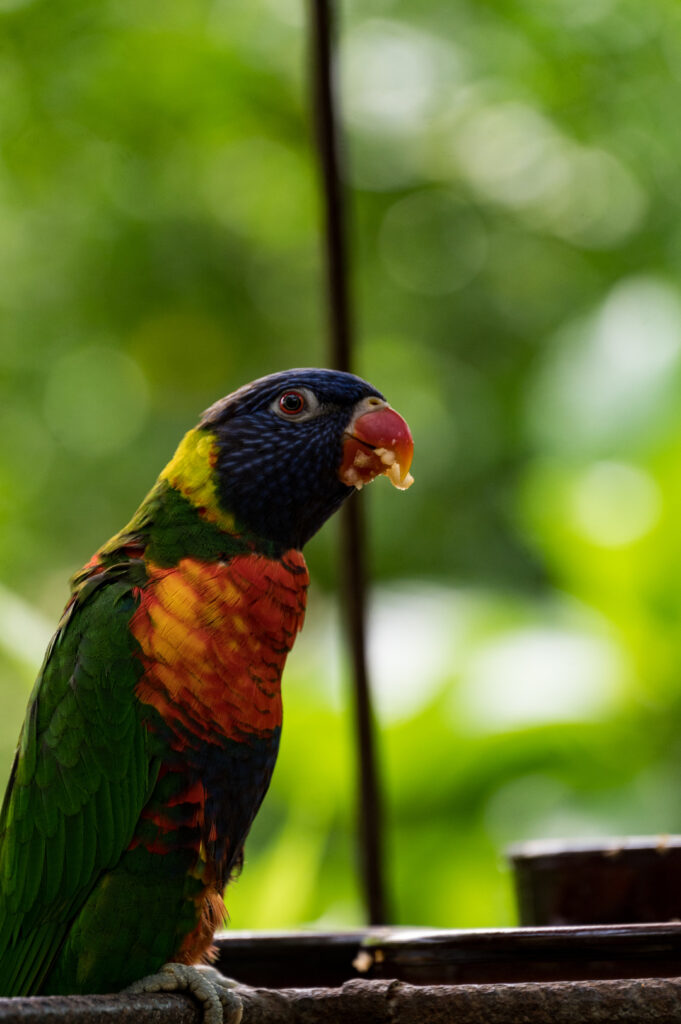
454,957
598,882
512,955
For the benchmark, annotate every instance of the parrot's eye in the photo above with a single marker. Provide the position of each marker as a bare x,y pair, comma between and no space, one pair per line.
291,402
296,404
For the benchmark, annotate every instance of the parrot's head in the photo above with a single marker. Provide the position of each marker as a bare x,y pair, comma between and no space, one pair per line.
286,450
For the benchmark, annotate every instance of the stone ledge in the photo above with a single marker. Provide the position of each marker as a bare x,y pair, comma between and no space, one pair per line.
383,1002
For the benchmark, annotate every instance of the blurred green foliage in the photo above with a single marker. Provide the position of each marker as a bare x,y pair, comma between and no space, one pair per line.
515,168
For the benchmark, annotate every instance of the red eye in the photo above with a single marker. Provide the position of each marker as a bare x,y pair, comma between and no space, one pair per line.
291,402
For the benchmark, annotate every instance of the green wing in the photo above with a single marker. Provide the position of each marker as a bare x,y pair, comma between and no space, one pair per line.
80,778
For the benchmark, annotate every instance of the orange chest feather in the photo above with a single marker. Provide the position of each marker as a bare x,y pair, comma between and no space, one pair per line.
214,639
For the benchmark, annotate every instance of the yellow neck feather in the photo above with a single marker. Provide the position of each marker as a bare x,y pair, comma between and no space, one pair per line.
191,471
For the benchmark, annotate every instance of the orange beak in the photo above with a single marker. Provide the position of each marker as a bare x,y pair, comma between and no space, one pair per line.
377,443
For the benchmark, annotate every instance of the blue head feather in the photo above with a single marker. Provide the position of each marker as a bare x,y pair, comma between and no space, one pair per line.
279,477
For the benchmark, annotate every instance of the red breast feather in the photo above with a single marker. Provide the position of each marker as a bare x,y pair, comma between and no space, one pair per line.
214,639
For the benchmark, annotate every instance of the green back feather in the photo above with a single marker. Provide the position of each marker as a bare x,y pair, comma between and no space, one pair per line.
82,774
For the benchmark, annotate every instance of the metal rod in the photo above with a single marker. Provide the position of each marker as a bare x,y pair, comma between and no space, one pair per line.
353,549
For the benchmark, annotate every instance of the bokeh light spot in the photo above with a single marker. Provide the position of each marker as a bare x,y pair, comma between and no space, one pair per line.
602,204
393,75
411,636
639,327
514,155
615,504
261,190
539,674
611,377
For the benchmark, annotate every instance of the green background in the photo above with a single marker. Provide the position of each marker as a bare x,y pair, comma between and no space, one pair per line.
515,184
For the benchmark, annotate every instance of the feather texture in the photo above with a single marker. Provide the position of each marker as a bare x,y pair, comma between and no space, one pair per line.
49,800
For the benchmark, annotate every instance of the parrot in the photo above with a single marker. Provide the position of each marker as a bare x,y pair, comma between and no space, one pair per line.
152,731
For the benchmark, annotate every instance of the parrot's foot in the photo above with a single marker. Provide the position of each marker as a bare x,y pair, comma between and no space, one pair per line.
221,1004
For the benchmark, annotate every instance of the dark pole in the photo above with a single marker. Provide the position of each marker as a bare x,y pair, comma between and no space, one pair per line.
353,551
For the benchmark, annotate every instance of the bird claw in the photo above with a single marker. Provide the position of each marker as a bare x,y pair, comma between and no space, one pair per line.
225,989
220,1003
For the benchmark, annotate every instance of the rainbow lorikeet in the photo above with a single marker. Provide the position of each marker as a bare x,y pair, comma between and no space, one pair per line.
152,731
